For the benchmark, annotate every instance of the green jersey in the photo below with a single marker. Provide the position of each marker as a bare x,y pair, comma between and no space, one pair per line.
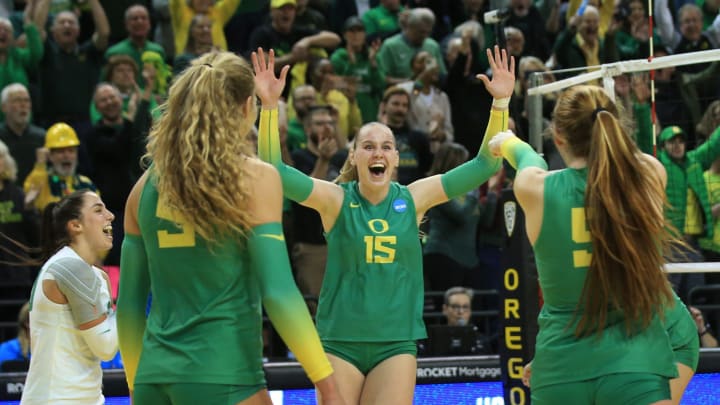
373,286
205,318
562,253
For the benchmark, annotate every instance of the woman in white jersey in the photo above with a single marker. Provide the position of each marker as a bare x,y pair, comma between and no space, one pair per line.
72,326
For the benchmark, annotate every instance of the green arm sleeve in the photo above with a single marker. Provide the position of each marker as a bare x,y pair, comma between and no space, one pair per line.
477,171
132,303
282,300
643,120
706,153
521,155
296,185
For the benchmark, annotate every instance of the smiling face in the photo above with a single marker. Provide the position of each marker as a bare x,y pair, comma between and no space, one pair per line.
675,147
690,23
375,155
94,226
108,102
137,22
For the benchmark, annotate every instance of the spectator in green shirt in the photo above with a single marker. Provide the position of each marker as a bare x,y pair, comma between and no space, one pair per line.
396,52
137,24
358,61
16,62
383,21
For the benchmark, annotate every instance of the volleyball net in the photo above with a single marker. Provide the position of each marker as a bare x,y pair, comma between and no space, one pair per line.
680,90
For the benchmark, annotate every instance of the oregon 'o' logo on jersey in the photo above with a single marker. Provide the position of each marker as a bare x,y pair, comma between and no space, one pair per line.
378,226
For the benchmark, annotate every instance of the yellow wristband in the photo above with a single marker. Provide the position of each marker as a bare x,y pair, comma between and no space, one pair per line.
506,148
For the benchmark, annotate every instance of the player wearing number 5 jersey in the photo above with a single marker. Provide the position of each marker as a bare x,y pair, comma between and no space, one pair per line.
610,330
203,235
370,310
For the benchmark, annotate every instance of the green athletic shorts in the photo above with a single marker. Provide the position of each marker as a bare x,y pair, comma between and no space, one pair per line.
366,355
193,394
612,389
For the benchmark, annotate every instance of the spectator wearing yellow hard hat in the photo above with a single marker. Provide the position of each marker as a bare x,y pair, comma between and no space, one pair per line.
55,171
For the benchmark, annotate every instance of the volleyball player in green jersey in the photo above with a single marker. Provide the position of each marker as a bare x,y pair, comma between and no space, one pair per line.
596,228
203,235
370,310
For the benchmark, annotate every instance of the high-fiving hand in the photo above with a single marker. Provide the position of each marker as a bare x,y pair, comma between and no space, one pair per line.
268,87
502,84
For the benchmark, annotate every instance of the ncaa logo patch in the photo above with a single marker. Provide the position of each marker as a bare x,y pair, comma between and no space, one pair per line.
399,205
510,211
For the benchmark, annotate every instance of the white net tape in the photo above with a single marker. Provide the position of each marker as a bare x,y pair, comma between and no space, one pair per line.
544,84
628,66
703,267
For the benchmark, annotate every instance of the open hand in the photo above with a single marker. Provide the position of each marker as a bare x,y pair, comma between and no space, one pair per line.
503,74
268,87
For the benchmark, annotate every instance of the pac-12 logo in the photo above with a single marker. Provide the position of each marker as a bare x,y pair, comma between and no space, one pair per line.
510,211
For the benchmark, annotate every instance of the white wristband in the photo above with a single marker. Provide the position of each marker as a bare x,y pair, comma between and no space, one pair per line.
501,103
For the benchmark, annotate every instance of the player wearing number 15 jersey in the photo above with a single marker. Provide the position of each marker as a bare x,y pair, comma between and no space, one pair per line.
203,235
370,310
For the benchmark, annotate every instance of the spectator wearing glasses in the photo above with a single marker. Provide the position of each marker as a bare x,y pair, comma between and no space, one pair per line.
458,310
458,306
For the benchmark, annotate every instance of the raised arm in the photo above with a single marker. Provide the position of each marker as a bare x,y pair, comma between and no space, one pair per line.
40,16
435,190
102,26
665,24
320,195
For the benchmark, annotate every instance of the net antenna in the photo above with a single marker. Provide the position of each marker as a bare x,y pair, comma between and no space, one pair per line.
606,72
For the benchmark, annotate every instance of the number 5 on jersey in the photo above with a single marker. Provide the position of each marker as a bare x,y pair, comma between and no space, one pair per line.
186,236
580,234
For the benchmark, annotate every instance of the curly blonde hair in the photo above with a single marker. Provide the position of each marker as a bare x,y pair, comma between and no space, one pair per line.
199,149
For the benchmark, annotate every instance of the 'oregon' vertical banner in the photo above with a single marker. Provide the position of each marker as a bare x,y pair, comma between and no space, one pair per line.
519,304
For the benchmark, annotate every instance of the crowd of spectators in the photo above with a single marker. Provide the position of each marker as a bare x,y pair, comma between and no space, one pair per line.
93,73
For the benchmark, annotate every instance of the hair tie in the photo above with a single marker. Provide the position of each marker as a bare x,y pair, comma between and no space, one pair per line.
596,111
208,65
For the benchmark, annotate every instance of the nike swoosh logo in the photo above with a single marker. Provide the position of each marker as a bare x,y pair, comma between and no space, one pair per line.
354,205
273,236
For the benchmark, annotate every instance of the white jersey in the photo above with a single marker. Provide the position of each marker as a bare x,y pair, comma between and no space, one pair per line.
63,369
